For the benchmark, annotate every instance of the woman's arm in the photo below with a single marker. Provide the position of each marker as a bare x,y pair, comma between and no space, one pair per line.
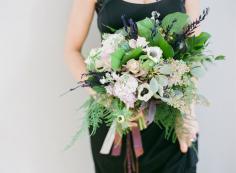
193,10
187,128
78,26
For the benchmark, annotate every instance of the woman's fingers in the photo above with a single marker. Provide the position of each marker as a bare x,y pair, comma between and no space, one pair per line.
183,146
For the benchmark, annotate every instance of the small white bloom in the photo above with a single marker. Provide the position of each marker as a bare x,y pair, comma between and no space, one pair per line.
103,81
132,43
140,42
154,53
115,76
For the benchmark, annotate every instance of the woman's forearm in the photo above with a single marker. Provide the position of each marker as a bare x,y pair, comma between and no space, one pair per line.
76,63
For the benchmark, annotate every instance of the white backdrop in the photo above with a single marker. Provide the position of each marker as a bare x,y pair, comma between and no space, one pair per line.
35,124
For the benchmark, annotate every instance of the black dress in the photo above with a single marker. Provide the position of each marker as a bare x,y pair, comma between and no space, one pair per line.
160,155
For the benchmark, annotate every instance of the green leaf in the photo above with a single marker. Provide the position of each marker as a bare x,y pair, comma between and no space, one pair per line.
148,64
197,43
165,117
220,57
182,20
99,89
167,49
132,54
198,71
154,86
144,27
201,39
116,58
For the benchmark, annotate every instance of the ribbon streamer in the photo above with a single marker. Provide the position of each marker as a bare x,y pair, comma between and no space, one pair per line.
107,144
137,142
151,112
116,150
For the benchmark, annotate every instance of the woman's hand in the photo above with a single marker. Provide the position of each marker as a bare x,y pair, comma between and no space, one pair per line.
90,91
186,130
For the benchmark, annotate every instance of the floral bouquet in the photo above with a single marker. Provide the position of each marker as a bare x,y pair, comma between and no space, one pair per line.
145,72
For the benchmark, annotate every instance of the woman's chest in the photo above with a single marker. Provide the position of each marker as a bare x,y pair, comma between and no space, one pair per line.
111,11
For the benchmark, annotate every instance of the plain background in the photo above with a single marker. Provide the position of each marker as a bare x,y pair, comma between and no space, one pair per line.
36,124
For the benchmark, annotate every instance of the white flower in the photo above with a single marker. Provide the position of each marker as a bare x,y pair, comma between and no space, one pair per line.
111,42
133,66
144,92
115,76
103,81
154,53
140,42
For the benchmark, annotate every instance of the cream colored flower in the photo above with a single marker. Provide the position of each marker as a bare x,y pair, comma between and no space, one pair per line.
133,66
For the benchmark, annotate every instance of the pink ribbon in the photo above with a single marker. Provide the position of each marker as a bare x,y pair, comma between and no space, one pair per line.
116,150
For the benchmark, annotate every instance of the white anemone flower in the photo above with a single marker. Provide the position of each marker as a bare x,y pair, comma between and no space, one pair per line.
154,53
144,92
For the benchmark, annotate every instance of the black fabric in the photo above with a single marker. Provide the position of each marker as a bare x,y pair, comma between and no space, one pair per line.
160,155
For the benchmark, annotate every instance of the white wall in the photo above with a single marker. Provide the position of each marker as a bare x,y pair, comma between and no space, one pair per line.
36,124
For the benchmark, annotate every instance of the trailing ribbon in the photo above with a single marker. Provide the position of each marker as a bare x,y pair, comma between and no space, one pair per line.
107,144
116,150
137,142
151,112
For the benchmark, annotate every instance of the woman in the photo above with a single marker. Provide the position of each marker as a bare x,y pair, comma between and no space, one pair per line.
160,155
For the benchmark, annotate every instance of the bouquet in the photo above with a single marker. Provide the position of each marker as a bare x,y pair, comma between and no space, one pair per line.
146,72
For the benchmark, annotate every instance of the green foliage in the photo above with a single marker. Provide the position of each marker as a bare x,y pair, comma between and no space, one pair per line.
196,44
165,117
116,58
198,70
220,57
132,54
145,27
117,108
167,49
146,64
99,89
94,113
177,20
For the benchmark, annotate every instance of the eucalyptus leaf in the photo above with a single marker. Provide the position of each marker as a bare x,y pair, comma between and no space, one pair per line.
166,69
178,94
162,80
220,57
147,65
154,86
181,21
198,71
